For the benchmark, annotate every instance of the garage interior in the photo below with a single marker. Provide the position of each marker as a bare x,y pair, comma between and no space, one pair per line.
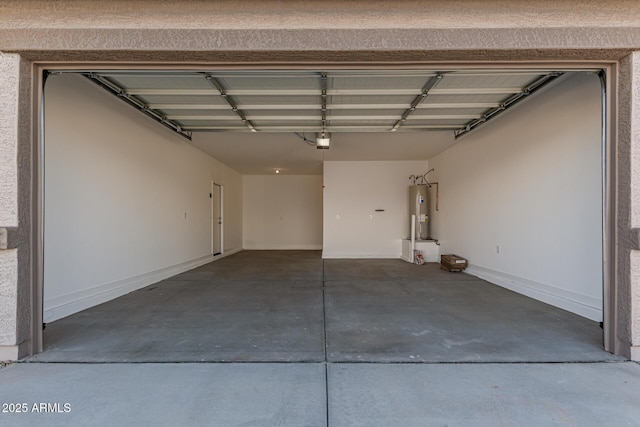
214,229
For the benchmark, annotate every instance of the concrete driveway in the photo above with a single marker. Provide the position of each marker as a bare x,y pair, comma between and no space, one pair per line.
320,394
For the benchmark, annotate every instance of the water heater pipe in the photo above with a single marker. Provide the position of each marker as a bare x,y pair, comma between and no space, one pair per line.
437,191
413,238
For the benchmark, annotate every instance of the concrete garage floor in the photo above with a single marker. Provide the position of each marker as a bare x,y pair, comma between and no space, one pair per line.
270,306
252,306
392,311
384,343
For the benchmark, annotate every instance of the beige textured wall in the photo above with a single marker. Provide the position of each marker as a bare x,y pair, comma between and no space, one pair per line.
635,270
268,31
304,14
282,212
9,80
628,280
15,198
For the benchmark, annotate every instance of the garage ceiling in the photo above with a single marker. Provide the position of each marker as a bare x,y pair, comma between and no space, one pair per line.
247,118
322,101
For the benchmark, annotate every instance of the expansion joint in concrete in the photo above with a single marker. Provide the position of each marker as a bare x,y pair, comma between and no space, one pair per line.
326,361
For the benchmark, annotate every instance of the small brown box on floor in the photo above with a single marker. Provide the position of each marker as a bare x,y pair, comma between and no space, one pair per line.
452,263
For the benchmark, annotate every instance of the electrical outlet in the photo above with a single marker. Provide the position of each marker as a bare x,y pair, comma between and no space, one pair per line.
370,216
338,216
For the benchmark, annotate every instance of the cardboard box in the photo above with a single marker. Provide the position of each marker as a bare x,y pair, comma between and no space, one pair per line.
452,262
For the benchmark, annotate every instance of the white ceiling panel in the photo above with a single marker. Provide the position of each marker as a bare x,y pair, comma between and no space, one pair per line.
226,114
247,119
184,99
375,82
341,112
486,81
285,122
333,100
277,100
421,112
347,123
200,111
455,123
370,99
283,114
455,99
232,122
151,82
270,82
262,153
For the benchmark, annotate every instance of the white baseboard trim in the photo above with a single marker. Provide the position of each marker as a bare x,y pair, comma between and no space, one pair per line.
285,247
337,255
66,305
228,252
582,305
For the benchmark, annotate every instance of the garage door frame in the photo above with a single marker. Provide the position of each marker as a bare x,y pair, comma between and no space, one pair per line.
610,148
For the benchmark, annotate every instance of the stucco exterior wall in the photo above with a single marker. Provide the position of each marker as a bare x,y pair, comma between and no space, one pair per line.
629,206
326,14
15,205
269,31
9,86
9,101
279,33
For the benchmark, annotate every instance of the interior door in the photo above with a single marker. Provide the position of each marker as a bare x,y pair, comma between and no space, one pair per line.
216,216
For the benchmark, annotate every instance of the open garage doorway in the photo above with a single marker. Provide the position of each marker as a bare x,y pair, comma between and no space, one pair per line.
516,155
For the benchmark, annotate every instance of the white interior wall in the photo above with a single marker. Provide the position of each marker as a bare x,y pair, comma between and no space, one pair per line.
282,211
231,182
353,191
126,200
530,183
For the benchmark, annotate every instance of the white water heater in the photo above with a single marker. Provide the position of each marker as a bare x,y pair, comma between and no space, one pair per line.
419,206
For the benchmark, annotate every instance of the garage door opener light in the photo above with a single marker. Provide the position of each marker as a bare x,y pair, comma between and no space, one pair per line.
323,139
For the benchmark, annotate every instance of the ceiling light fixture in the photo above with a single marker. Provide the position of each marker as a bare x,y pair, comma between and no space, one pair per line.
323,139
277,170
